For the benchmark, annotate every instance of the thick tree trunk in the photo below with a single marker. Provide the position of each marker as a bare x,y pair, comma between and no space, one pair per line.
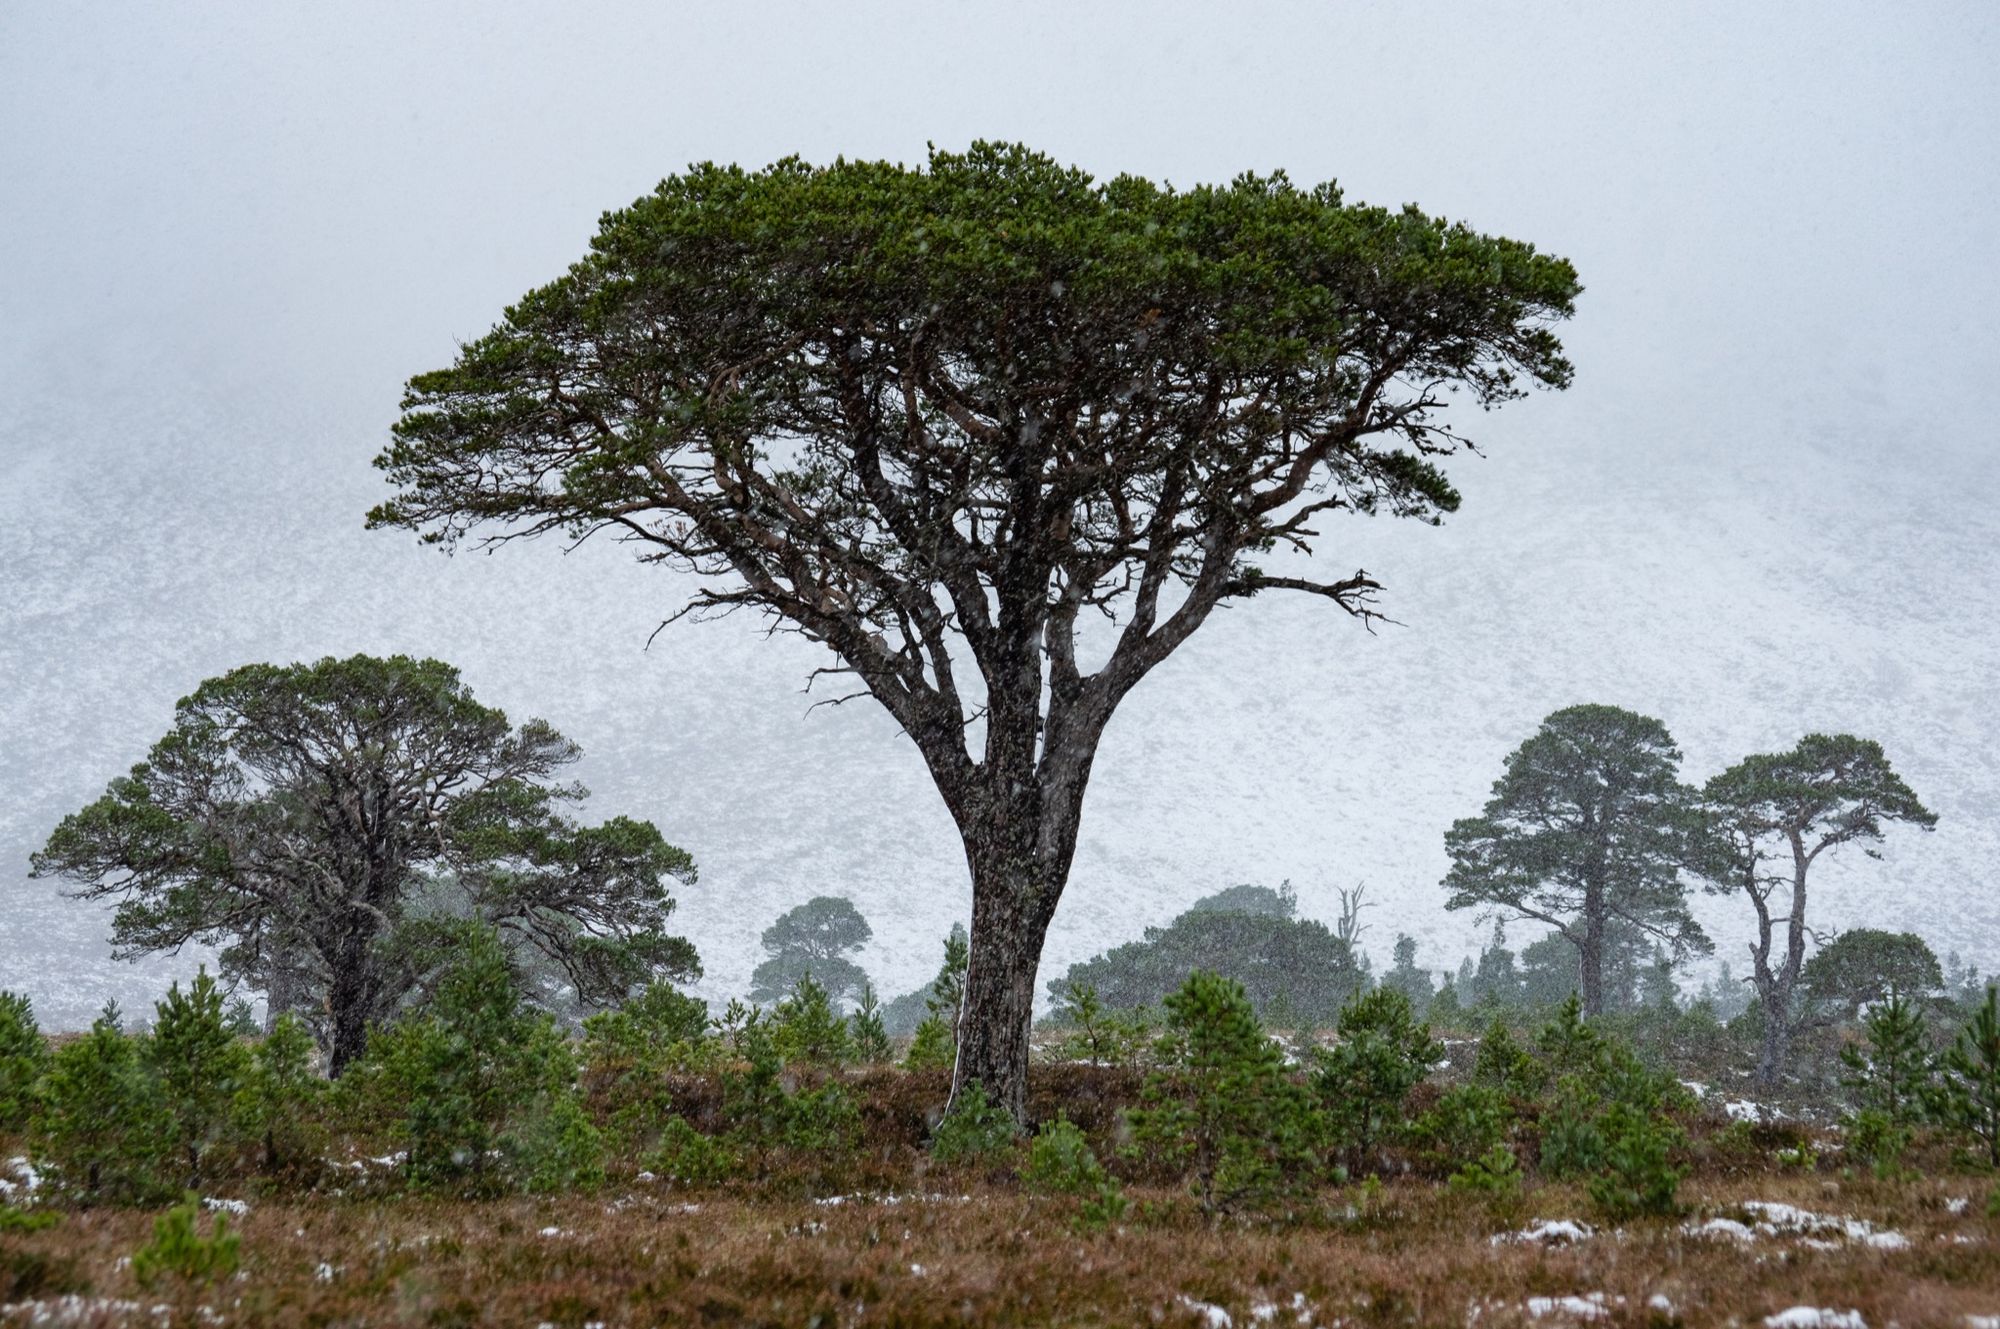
350,1001
1020,836
999,1004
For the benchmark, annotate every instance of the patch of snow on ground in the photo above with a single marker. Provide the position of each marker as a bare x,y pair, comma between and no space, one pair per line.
29,1181
1720,1227
1956,1204
1815,1317
1264,1312
551,1232
1560,1232
1820,1231
236,1207
73,1309
1746,1109
1589,1307
325,1273
1791,1219
1212,1315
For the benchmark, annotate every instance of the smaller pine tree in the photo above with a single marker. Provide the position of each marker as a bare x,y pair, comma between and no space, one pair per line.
201,1069
931,1047
24,1057
947,995
1365,1078
458,1076
806,1028
1222,1104
868,1038
100,1122
177,1248
1968,1093
1892,1071
279,1105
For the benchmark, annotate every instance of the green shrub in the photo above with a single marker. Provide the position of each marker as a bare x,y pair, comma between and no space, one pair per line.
1636,1177
805,1028
1222,1106
659,1031
1797,1158
100,1123
455,1077
932,1048
1573,1142
1364,1080
201,1068
822,1121
556,1147
1494,1175
1877,1141
24,1058
25,1220
691,1158
1505,1065
1465,1123
764,1113
1104,1209
281,1100
178,1249
975,1130
1060,1161
1098,1034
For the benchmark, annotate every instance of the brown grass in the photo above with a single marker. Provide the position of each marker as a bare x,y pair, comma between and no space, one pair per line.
643,1254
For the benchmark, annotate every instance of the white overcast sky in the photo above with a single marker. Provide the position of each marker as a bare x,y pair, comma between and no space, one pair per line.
229,232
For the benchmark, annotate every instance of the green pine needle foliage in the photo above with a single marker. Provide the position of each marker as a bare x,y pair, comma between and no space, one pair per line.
24,1057
178,1248
1222,1106
976,1129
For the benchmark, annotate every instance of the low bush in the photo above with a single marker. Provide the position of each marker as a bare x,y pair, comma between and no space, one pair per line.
179,1250
1060,1162
687,1156
1363,1081
1635,1177
976,1129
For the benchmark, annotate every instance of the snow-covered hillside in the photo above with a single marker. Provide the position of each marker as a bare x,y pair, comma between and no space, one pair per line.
1742,594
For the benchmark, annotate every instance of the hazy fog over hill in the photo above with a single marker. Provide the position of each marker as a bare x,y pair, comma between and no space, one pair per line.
1766,507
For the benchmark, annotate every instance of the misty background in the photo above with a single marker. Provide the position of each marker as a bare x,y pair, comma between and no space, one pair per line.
228,234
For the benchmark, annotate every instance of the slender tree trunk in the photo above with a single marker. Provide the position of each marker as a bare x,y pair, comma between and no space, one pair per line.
1777,1044
1775,986
1591,957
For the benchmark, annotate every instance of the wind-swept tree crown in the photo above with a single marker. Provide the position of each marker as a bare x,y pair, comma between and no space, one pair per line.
865,397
